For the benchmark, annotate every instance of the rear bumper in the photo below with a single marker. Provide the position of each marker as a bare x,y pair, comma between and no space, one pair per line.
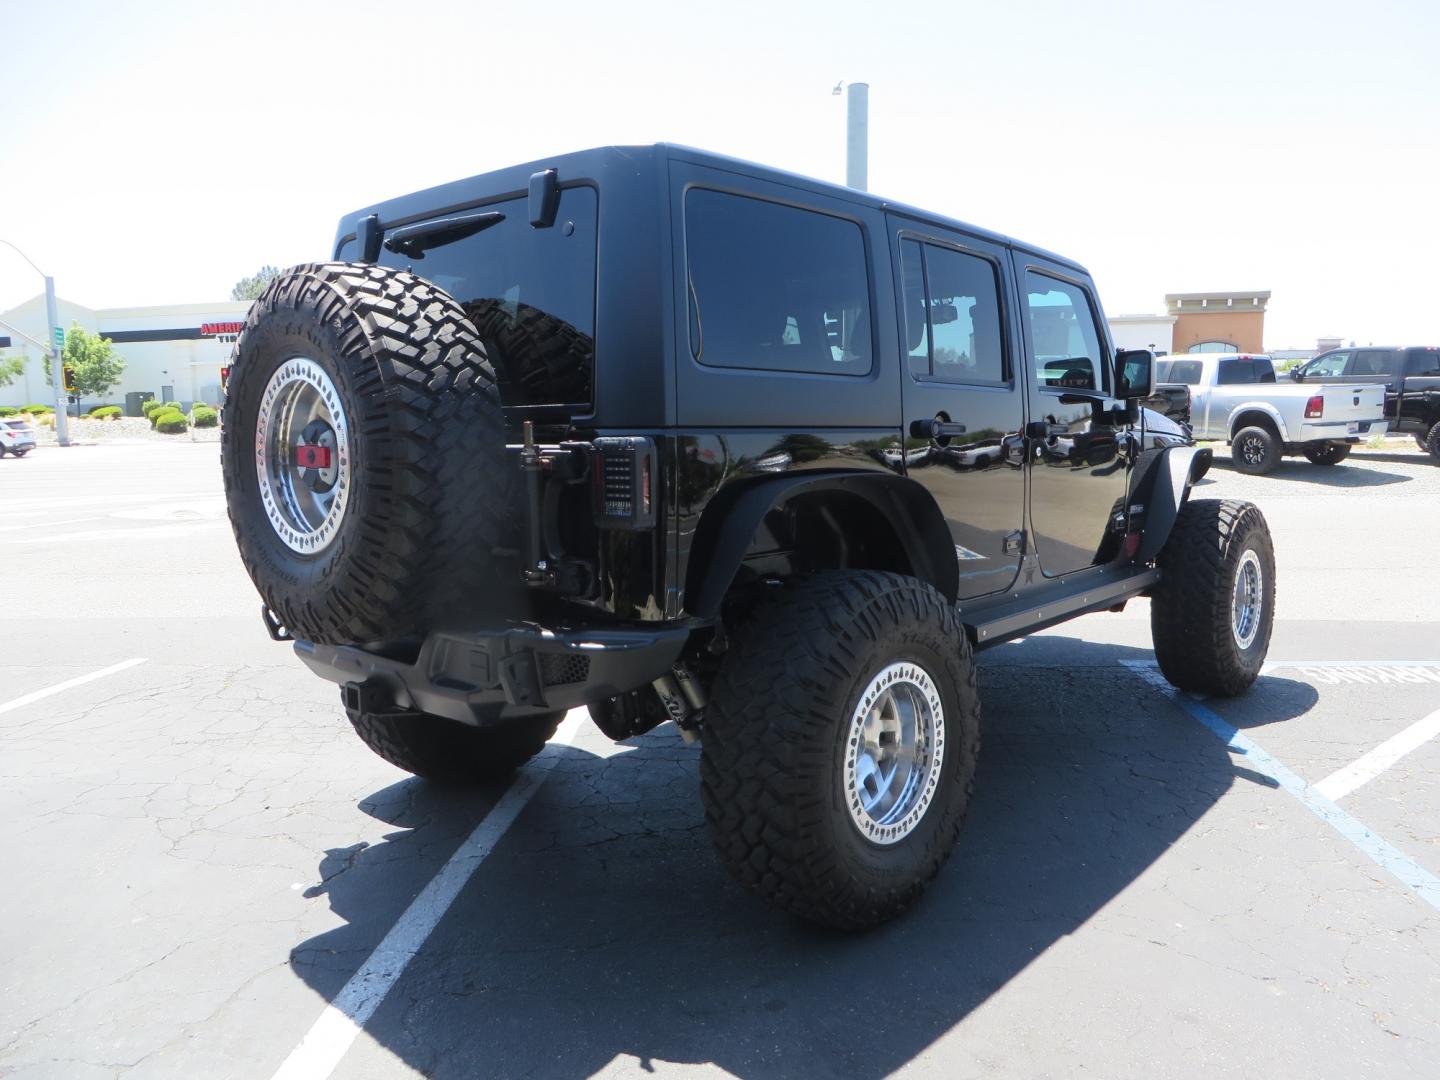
19,444
484,676
1339,430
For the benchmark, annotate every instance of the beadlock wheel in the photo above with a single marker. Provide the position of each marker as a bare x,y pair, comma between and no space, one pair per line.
302,455
1247,600
894,750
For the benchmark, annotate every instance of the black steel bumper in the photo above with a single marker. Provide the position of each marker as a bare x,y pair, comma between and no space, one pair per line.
521,669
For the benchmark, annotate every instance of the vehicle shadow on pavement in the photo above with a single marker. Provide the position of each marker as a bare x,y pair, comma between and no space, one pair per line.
1413,457
603,934
1343,475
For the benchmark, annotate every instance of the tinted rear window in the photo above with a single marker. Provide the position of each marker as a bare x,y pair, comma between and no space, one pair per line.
774,287
1245,369
1179,371
527,289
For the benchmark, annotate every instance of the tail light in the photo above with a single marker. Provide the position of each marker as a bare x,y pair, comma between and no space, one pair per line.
624,479
1315,408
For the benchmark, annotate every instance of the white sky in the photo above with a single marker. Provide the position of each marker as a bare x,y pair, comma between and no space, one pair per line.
155,153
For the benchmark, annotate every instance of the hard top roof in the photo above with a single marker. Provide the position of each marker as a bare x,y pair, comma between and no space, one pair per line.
451,196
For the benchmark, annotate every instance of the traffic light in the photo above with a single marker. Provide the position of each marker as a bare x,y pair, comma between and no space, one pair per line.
224,379
69,379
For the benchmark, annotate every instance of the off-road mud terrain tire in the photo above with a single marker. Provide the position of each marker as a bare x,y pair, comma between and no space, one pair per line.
539,358
1432,442
1326,453
1192,620
1255,450
428,497
449,752
773,767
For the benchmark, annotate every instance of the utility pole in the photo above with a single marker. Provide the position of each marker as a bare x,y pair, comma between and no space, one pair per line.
56,346
57,365
857,135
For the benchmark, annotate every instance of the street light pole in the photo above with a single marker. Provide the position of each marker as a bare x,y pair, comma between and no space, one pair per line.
857,135
57,366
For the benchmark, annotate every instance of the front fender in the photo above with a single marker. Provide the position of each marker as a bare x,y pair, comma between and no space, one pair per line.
1163,491
728,525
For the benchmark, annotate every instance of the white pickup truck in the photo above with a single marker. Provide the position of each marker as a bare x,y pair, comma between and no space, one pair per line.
1234,396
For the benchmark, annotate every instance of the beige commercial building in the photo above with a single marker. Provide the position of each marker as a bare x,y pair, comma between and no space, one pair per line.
1217,321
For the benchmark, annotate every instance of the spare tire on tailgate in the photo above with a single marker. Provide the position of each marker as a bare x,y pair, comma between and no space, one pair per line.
363,454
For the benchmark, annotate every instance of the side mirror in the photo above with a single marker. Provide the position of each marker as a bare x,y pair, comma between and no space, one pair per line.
1298,374
1134,374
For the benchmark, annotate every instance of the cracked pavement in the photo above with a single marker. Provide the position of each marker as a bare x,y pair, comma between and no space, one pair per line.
200,853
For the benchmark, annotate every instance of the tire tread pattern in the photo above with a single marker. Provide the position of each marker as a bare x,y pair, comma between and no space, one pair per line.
770,728
448,752
429,410
1190,618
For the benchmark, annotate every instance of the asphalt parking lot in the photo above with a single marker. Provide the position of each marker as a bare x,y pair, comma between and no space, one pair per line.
201,857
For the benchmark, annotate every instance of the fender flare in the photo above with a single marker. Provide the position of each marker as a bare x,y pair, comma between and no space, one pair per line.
731,520
1164,490
1256,406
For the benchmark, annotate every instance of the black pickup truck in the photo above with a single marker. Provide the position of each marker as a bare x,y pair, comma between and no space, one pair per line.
1412,384
1169,399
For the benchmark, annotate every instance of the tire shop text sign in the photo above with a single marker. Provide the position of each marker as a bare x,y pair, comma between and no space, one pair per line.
217,329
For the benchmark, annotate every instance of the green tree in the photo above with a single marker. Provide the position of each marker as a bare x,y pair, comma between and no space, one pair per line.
93,361
251,287
11,368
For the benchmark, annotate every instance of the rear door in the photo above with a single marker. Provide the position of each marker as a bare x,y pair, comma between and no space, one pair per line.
1078,478
963,396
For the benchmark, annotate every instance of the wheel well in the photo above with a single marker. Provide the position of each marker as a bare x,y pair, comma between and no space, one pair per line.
1254,418
802,524
835,530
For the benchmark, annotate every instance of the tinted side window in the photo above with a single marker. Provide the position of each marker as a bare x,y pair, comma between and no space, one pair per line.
774,287
1424,362
1370,362
1264,369
1064,336
1179,371
1236,369
953,322
1328,366
523,287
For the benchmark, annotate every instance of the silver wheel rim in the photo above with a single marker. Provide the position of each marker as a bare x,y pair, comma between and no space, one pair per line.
1247,600
301,424
1253,451
893,752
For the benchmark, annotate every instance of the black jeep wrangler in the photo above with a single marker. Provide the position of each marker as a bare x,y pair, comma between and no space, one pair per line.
676,437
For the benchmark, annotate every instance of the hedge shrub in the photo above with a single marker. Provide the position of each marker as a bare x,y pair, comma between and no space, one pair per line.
171,422
156,415
204,417
37,410
106,412
150,405
8,410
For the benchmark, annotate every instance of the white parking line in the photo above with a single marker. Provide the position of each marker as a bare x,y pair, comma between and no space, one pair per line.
38,695
332,1035
1343,781
38,527
1375,847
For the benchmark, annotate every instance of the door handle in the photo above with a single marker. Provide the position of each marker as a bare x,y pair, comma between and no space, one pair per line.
1041,429
935,429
